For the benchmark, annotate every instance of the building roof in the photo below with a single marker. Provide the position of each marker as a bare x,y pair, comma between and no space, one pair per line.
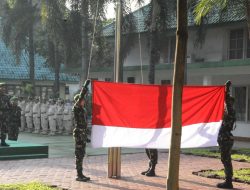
10,70
233,13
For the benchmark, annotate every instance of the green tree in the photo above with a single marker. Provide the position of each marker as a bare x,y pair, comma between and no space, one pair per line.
18,19
240,7
53,17
156,24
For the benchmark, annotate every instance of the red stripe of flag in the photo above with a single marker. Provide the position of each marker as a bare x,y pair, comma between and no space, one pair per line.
149,106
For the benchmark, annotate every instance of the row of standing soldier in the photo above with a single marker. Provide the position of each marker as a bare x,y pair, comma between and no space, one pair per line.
46,117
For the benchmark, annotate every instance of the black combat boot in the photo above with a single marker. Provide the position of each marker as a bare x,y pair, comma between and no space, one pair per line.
151,171
227,184
149,166
3,143
81,177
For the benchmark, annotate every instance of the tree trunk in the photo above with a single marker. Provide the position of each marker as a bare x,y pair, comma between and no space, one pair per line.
248,16
176,115
31,58
85,40
154,48
57,73
154,57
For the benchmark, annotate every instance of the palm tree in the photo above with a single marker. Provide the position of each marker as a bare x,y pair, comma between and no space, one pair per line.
18,21
53,13
204,7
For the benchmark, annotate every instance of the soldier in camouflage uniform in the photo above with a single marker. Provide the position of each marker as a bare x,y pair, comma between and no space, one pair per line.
15,119
4,109
80,132
225,139
153,158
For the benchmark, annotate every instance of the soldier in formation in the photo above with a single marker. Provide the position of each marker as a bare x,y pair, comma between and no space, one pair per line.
36,115
4,109
80,132
225,139
67,118
52,117
22,105
29,114
153,159
59,115
44,117
14,123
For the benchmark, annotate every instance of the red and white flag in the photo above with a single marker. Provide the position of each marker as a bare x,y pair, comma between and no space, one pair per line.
139,116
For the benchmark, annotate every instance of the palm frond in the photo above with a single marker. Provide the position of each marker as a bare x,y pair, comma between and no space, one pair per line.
204,7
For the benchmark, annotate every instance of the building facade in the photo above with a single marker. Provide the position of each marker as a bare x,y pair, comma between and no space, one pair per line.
16,76
223,53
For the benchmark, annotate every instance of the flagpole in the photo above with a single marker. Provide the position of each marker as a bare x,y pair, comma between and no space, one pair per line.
114,154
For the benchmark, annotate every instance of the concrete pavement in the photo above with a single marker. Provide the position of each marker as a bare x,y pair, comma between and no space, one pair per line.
59,169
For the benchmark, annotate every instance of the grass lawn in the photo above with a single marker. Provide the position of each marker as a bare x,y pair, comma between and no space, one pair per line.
242,155
241,175
27,186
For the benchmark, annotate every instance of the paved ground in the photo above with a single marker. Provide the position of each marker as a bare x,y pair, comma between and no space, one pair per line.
59,170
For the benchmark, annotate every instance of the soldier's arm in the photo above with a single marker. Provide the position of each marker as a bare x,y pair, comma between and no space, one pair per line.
227,98
84,90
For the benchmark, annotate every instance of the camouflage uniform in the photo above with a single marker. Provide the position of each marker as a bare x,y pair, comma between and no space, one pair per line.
15,120
225,139
80,132
153,159
4,109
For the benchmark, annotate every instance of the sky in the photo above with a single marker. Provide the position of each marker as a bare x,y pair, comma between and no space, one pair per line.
110,8
134,6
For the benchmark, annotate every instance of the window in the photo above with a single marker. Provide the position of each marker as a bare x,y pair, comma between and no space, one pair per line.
131,79
108,79
38,91
165,82
172,49
67,90
239,94
167,51
236,44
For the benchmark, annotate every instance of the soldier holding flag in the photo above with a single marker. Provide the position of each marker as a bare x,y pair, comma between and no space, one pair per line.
225,138
80,132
